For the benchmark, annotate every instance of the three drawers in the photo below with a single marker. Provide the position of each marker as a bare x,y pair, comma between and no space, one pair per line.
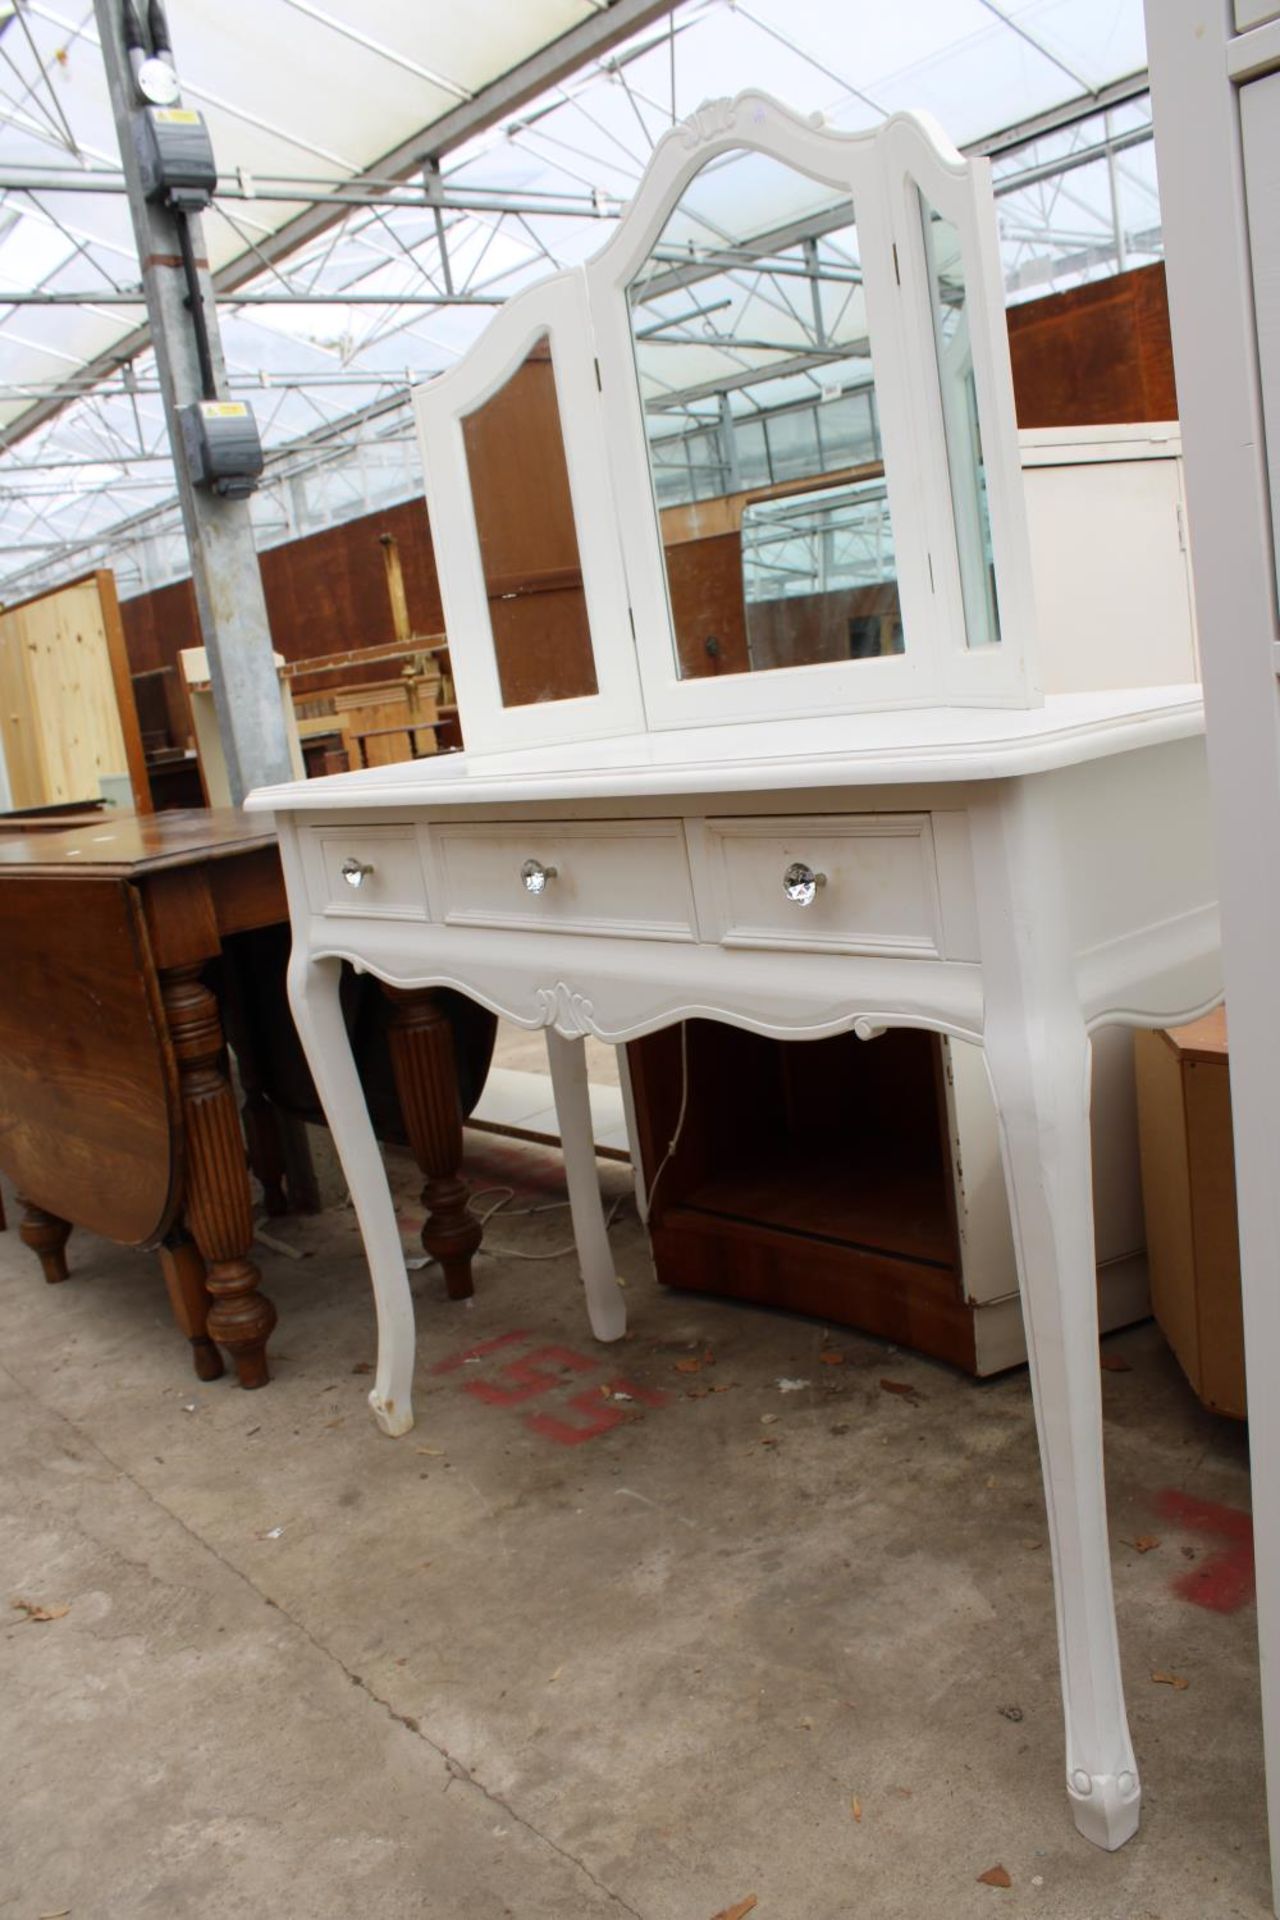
849,883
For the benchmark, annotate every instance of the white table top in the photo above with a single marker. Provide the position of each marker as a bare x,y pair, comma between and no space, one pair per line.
900,747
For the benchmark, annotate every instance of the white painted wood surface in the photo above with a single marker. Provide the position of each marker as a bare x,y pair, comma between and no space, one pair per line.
1216,219
1079,899
1011,873
1106,517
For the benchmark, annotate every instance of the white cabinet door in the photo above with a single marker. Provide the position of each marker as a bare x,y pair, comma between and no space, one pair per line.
1260,138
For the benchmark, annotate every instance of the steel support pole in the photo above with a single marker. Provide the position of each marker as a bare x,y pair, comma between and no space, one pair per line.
224,561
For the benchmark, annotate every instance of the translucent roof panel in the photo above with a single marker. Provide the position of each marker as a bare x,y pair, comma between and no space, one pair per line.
306,97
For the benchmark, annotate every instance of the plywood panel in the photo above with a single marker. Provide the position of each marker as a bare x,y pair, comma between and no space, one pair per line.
705,582
529,540
324,592
69,716
1097,354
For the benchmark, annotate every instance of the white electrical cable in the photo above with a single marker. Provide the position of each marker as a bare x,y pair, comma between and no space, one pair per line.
552,1206
674,1141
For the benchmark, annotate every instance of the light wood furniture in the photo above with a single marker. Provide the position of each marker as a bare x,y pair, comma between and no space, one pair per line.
911,840
197,687
1188,1179
67,713
116,1111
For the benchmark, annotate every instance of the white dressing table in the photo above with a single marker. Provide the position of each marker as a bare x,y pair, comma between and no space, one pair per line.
902,837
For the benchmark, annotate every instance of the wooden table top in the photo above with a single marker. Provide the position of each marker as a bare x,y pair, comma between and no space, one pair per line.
127,844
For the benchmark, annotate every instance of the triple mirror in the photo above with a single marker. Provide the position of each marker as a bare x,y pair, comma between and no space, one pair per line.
758,459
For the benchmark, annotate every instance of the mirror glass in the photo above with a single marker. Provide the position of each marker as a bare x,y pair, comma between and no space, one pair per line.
947,293
750,332
528,541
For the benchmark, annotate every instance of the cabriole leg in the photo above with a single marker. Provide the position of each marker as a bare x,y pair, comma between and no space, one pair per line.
47,1237
605,1306
426,1077
317,1013
218,1209
1039,1064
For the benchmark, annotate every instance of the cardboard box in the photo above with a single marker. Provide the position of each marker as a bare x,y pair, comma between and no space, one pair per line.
1189,1196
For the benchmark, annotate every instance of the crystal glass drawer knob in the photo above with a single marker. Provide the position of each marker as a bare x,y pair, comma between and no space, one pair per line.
536,876
801,883
355,872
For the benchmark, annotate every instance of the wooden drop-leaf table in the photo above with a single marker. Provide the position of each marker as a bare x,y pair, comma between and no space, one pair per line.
116,1111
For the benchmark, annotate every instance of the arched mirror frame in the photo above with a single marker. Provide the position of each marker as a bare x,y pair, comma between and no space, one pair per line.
556,309
881,171
585,315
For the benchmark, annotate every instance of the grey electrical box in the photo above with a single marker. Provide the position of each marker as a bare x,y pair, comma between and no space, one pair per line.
220,440
175,157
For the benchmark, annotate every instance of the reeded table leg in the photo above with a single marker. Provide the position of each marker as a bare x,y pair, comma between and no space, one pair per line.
218,1208
47,1237
184,1276
606,1308
426,1076
317,1013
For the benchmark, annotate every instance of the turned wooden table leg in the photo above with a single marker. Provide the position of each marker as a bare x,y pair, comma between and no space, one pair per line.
426,1077
218,1206
47,1237
184,1276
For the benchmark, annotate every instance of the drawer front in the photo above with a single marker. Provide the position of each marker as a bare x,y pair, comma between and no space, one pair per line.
878,893
392,885
620,877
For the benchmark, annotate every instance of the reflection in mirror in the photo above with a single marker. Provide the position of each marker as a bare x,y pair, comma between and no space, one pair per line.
818,577
968,472
528,541
750,331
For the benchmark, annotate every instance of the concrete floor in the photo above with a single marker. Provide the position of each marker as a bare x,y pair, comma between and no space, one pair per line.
797,1644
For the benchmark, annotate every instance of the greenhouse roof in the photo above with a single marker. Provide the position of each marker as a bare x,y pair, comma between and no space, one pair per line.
389,172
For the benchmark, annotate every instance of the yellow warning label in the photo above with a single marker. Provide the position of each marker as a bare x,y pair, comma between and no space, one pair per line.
177,116
223,409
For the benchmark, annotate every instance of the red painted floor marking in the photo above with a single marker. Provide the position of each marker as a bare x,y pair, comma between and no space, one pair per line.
599,1415
542,1371
528,1378
457,1360
1225,1582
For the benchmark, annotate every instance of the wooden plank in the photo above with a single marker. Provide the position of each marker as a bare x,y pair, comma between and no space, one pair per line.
1215,1236
126,705
1166,1194
248,892
21,741
1095,354
89,1115
915,1305
528,539
704,578
62,687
